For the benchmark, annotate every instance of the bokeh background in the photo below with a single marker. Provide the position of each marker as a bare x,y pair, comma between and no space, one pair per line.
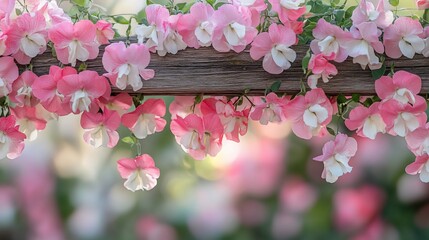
266,187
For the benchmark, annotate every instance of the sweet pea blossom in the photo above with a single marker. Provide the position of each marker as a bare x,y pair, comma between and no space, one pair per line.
418,140
196,28
8,74
104,31
365,40
82,89
402,87
45,88
11,139
232,31
146,119
402,38
6,8
27,37
366,121
120,103
422,4
402,119
252,8
420,166
336,156
140,172
310,113
329,40
3,38
274,46
29,121
125,65
321,68
183,106
100,128
288,10
74,42
367,12
22,92
161,34
234,118
198,136
269,109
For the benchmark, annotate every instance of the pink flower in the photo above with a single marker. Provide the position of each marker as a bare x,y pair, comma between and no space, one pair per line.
160,34
11,139
310,113
402,119
269,109
274,47
365,40
196,28
75,41
252,8
198,136
125,65
234,118
8,75
29,121
403,38
183,106
45,88
422,4
22,92
83,89
321,68
120,103
288,10
104,32
233,30
146,119
403,87
424,36
421,166
6,8
3,38
366,121
356,208
27,37
418,140
336,156
366,12
100,128
328,40
140,172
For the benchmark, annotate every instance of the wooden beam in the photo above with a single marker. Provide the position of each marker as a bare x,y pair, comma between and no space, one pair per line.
205,71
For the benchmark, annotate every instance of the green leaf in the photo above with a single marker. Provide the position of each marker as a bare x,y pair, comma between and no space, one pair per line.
80,3
376,74
129,140
394,2
426,15
355,97
339,15
185,8
140,16
275,86
349,12
18,11
120,20
341,99
368,102
331,131
305,61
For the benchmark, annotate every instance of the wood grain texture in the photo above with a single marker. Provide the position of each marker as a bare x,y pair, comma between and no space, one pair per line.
205,71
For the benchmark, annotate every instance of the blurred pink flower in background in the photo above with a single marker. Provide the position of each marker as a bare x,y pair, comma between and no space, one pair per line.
355,208
150,228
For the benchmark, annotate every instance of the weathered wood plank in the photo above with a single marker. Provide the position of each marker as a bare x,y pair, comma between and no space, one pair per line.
205,71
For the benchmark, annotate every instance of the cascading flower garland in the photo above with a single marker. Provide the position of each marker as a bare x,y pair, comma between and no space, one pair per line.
367,33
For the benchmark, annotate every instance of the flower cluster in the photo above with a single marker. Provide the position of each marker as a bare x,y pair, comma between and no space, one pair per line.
200,124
